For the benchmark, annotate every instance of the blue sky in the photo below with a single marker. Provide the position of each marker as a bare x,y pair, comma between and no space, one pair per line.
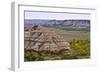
59,16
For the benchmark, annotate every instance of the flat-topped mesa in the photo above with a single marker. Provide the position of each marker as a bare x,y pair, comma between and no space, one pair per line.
41,38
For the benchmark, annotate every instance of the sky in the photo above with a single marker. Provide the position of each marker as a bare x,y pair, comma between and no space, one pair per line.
54,15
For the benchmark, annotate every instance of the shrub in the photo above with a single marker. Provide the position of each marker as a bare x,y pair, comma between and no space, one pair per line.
31,55
82,47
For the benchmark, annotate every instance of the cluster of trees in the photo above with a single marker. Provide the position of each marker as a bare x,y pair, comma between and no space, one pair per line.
79,49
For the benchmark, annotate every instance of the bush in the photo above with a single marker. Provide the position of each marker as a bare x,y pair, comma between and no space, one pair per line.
82,47
31,55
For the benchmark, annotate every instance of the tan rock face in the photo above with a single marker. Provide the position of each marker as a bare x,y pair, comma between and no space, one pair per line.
41,38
